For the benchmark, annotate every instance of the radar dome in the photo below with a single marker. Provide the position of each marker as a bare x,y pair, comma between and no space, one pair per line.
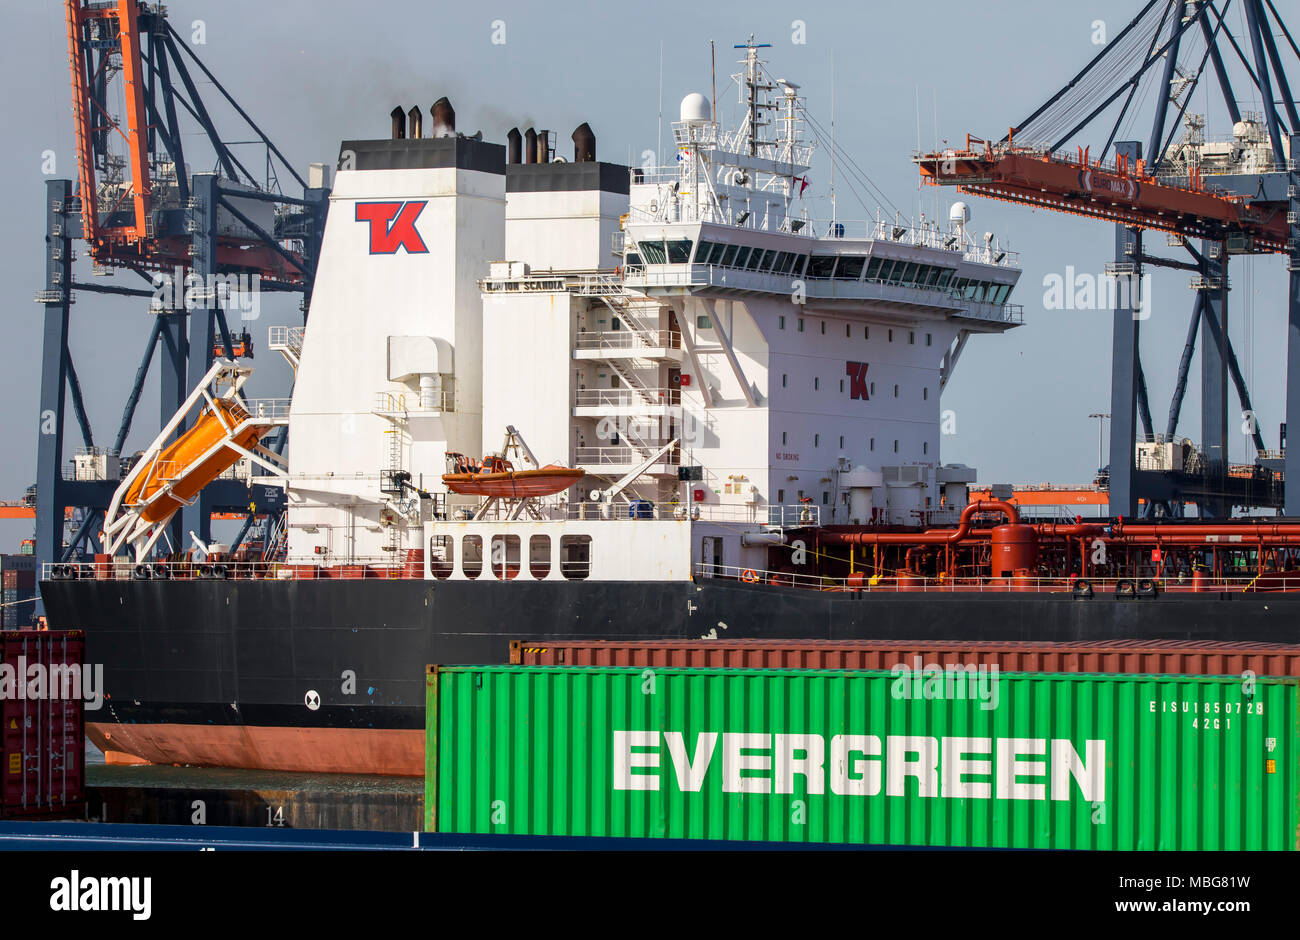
959,213
695,109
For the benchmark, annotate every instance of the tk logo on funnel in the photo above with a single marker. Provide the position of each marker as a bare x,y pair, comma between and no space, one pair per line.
392,226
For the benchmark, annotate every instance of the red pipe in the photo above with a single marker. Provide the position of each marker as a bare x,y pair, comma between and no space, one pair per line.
929,537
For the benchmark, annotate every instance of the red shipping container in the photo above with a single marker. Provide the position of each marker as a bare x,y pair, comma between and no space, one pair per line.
1155,657
42,755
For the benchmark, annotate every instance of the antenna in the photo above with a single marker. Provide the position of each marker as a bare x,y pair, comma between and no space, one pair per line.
713,73
659,139
834,216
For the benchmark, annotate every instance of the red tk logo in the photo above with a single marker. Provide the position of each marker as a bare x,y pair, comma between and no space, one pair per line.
392,226
857,373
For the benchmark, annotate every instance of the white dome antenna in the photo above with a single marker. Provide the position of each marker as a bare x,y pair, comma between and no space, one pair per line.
695,109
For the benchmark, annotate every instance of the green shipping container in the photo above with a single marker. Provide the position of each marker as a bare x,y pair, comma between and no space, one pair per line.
1021,760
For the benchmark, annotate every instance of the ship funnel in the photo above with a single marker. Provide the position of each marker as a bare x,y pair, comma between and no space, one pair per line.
514,146
399,123
584,144
444,118
543,146
530,146
416,123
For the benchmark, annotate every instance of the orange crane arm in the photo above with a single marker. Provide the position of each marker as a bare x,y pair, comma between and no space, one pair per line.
1123,193
81,121
136,122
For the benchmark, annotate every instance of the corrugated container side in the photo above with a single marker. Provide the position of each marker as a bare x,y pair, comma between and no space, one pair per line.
1058,761
1172,657
42,754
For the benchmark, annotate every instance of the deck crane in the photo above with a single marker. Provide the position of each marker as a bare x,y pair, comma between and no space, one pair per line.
1238,196
141,204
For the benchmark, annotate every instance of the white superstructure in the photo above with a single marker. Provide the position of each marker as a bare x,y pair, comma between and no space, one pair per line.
711,356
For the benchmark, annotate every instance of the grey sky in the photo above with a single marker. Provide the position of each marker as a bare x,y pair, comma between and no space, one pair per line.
314,73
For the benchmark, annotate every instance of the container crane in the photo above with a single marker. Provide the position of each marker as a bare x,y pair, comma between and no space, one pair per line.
1237,197
138,208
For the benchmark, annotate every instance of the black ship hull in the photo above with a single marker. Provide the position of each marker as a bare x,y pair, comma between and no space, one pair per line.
230,657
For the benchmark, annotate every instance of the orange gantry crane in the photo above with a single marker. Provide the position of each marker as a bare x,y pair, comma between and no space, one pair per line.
1238,195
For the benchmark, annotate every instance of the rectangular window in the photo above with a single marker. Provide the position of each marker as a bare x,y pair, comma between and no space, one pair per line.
826,498
783,377
925,394
873,269
782,438
702,322
817,383
909,274
841,390
653,252
945,278
705,249
729,256
848,330
895,391
873,444
780,497
817,440
928,339
780,323
823,328
679,251
742,256
821,266
755,257
801,324
850,268
925,447
895,446
933,279
841,440
911,337
873,388
782,262
768,256
891,336
866,332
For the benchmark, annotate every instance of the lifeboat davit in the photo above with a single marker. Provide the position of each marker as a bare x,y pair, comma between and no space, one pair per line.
183,465
497,477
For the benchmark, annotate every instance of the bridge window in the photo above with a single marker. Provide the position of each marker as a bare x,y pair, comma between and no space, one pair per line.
471,555
633,259
742,256
707,252
873,269
768,257
729,256
821,266
945,278
755,260
653,251
850,268
679,251
539,556
575,557
1003,290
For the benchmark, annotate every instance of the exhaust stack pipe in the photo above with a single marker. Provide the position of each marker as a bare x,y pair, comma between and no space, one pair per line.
444,118
514,146
530,146
543,146
416,123
584,144
399,123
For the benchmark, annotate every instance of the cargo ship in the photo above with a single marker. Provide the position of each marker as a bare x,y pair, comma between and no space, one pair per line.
752,397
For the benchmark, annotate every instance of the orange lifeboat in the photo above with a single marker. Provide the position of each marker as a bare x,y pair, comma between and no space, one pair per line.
496,477
183,465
